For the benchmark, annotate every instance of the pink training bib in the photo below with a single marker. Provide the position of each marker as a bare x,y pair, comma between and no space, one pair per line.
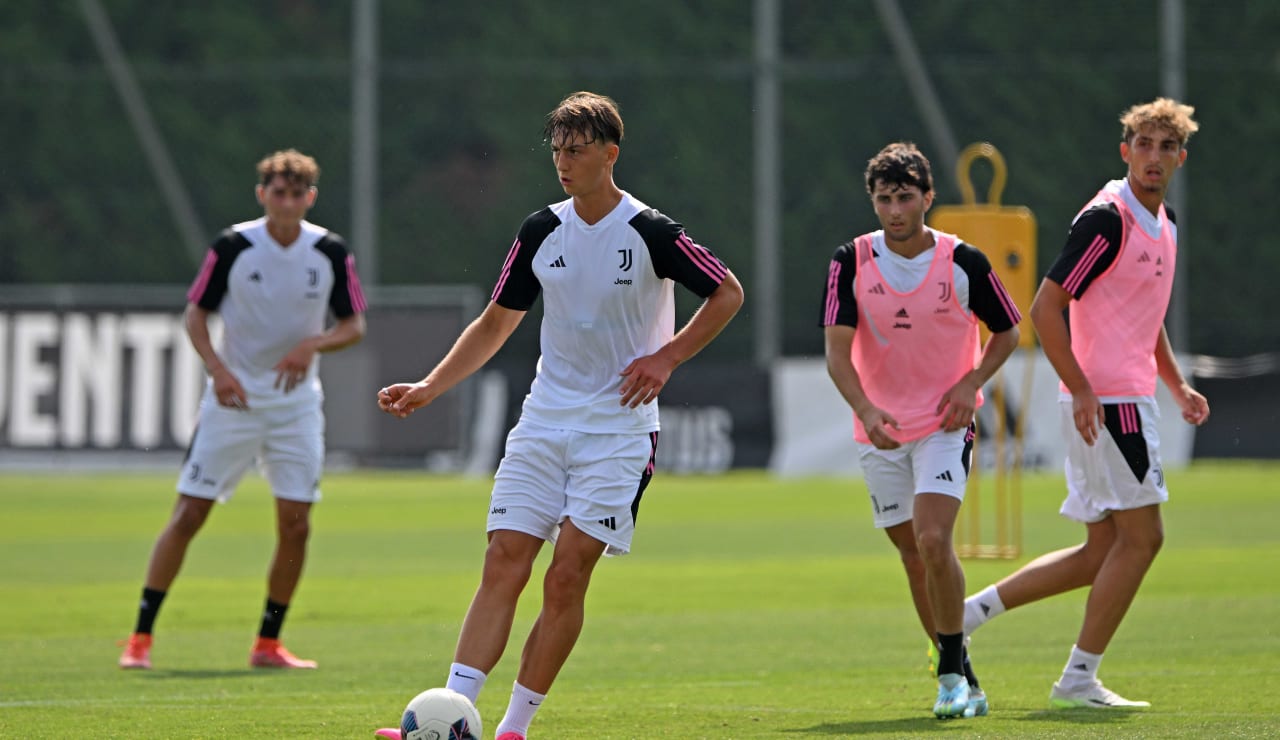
1116,323
910,348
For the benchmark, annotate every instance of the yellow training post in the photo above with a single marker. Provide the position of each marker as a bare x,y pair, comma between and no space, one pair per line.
1007,235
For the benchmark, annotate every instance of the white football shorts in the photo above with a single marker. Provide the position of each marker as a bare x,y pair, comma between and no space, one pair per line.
1122,469
938,463
549,475
287,442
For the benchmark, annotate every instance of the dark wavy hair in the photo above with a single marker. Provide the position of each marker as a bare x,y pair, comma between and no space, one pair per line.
900,164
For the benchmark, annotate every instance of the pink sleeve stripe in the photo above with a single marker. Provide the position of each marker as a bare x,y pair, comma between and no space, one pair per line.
506,270
1010,308
354,291
833,295
1082,268
202,277
702,257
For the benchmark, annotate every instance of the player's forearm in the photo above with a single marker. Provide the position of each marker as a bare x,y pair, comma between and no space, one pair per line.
1167,364
838,346
847,382
196,321
1055,340
477,344
999,347
707,322
343,334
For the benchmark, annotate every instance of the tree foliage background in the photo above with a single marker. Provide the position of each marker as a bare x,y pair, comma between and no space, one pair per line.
464,87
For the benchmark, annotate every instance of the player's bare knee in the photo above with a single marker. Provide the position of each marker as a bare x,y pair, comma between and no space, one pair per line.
911,561
504,568
934,544
188,518
565,584
1143,543
294,529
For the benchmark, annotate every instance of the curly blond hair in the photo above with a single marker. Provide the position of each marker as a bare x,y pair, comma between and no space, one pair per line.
1165,113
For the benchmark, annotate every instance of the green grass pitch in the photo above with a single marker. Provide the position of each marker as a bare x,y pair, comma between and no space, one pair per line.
751,608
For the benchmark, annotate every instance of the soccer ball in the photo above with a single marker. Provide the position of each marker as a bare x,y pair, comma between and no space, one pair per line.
440,714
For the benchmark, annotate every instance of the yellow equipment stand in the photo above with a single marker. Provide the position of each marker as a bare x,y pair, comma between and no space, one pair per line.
1007,235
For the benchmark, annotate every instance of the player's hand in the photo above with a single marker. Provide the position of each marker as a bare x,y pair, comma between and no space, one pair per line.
292,370
1195,407
403,399
1088,414
644,378
958,406
877,422
228,391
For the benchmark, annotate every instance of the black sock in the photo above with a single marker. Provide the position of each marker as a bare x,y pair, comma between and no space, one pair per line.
950,653
969,675
148,609
272,620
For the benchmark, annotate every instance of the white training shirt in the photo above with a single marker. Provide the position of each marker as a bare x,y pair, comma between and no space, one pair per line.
271,297
608,299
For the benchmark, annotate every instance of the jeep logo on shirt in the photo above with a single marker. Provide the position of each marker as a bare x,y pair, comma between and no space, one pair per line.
621,281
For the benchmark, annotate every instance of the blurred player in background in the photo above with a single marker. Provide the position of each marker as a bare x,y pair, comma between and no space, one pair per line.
582,453
900,316
1114,276
274,282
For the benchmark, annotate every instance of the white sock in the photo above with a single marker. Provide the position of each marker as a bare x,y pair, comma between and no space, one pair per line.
981,607
466,680
1081,669
524,704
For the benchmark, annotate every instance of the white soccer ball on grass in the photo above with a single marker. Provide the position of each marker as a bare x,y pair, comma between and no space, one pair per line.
440,714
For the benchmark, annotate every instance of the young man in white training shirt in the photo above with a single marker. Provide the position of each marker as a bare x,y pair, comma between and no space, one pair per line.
582,453
274,281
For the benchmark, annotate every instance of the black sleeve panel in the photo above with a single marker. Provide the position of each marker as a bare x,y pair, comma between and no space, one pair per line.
839,306
1092,245
517,287
988,298
211,284
346,299
677,256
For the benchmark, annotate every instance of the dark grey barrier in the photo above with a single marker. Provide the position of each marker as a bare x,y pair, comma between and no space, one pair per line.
1244,401
109,369
715,415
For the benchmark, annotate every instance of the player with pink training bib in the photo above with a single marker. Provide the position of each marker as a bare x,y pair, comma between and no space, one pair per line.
1114,276
900,315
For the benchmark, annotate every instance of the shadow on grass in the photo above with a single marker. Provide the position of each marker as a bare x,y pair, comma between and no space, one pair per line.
905,726
1082,715
921,725
161,674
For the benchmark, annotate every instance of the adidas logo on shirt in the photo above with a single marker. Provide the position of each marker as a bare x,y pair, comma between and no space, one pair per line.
1145,257
877,289
558,263
902,313
945,475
